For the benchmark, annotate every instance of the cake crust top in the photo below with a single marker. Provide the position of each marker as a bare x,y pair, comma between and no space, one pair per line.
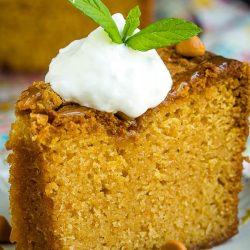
189,75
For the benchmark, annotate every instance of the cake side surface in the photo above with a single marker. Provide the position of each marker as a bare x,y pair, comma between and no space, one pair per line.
27,199
105,182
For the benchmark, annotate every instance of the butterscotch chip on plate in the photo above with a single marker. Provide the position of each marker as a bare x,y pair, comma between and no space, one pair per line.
5,230
87,179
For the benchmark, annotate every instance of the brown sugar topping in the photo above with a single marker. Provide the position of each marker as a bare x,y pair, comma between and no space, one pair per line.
39,97
186,73
5,230
174,245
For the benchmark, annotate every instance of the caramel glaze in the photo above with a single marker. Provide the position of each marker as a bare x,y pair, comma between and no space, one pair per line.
182,80
71,110
186,74
78,114
39,98
31,95
220,61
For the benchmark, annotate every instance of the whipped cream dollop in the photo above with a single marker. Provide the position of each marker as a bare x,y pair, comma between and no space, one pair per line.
97,73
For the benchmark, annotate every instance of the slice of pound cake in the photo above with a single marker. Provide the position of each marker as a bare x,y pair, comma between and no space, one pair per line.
125,148
86,179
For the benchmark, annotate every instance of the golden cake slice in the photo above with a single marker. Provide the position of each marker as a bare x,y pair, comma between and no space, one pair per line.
86,179
34,31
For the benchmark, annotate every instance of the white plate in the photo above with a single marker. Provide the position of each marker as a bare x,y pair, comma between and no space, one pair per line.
240,242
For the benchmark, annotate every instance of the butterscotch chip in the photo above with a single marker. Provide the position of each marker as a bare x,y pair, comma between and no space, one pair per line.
191,48
246,217
5,230
174,245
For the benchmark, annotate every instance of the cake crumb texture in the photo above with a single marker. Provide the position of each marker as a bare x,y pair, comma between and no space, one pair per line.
85,179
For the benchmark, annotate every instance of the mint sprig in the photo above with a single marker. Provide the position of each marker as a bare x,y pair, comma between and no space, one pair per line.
96,10
162,33
132,23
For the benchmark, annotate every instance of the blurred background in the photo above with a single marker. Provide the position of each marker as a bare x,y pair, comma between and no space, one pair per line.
31,33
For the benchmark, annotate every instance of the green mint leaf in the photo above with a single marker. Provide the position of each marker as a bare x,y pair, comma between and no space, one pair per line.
132,22
163,33
96,10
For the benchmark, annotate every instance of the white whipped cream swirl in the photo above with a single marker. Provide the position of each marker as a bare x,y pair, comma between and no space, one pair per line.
97,73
